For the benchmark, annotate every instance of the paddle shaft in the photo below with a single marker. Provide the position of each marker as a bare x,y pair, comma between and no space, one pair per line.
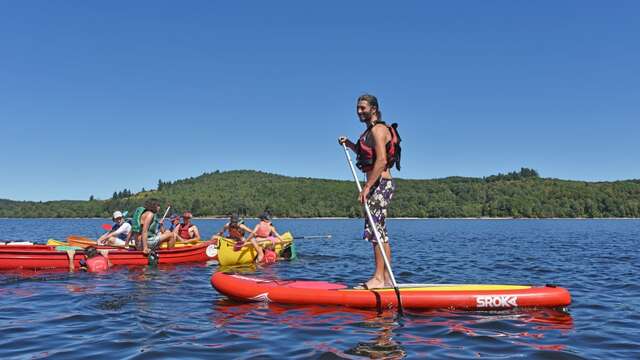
163,217
373,227
313,237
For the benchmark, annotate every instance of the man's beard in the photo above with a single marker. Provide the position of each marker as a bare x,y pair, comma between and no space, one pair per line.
365,117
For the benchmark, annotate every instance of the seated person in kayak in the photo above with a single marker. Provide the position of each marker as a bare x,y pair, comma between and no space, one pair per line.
146,227
119,232
235,229
174,220
186,231
265,233
95,261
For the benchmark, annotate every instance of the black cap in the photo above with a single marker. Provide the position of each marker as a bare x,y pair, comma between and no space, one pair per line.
265,216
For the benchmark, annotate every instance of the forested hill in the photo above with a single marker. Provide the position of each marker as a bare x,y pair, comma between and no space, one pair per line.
517,194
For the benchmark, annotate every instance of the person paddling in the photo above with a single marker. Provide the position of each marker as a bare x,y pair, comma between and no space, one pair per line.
377,150
145,226
119,231
186,231
264,231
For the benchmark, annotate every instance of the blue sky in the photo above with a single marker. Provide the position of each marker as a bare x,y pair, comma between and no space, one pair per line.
101,96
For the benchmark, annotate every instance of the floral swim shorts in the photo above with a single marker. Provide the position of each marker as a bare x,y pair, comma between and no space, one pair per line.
378,201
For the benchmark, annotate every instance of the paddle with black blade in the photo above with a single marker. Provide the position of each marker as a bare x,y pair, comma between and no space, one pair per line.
375,232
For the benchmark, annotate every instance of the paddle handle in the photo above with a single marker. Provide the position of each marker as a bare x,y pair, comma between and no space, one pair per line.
370,218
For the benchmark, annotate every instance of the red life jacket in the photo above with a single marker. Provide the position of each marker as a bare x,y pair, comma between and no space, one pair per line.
235,232
366,152
97,264
184,231
264,230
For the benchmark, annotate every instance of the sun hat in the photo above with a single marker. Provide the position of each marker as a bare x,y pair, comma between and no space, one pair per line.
117,214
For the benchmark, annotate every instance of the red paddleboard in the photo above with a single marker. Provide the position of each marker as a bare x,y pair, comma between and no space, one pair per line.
414,296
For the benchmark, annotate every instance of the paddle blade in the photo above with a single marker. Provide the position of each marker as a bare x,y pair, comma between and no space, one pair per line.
106,227
80,241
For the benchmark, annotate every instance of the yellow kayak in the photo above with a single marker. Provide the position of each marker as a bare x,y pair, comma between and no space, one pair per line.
228,254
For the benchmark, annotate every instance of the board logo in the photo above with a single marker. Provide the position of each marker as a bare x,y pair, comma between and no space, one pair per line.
496,301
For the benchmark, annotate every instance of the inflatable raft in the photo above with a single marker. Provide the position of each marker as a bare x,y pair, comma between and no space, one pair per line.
414,296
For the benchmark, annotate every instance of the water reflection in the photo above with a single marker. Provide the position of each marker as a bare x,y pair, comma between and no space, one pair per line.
383,344
359,333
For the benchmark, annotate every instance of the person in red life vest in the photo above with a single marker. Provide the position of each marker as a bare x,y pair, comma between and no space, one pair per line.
377,150
235,229
95,261
186,231
264,233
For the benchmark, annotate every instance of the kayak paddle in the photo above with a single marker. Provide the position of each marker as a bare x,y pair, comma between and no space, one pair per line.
375,232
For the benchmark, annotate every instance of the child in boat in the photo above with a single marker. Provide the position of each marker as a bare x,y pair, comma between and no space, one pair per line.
235,229
264,232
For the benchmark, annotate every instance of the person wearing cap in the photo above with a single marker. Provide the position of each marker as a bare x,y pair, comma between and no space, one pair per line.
186,231
264,232
174,220
235,229
119,232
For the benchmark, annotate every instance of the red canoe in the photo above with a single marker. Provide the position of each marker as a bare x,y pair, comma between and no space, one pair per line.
47,257
414,296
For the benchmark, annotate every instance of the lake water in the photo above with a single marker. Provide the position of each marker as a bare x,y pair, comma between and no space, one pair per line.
172,312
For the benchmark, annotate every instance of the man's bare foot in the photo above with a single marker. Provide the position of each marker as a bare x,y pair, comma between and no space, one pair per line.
374,284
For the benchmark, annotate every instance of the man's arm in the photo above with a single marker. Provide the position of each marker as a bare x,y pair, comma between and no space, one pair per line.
196,234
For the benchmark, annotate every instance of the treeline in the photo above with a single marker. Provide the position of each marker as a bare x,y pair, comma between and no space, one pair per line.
516,194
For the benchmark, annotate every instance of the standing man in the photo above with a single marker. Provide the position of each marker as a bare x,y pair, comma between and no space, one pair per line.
377,150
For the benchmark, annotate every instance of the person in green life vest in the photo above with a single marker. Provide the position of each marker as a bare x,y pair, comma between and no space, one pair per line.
147,229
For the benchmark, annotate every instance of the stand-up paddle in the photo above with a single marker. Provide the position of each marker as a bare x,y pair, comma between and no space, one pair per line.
375,232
